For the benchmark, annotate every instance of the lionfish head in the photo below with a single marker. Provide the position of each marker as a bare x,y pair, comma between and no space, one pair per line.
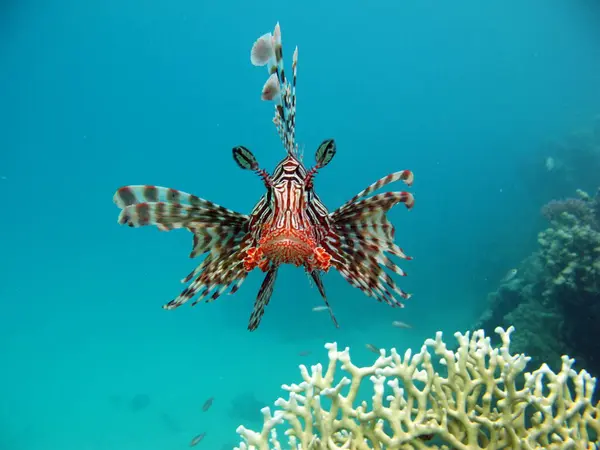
290,178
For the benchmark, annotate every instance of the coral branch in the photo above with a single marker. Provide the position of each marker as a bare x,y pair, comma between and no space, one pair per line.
480,402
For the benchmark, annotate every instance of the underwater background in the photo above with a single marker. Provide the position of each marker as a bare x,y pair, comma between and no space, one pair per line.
483,101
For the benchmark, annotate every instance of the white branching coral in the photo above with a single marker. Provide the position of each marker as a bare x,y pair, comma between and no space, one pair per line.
482,400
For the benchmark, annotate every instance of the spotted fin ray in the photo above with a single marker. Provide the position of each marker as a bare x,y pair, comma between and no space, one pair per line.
263,298
169,208
220,233
268,50
363,239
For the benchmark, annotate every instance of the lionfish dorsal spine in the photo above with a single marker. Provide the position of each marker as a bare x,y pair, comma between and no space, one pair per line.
268,50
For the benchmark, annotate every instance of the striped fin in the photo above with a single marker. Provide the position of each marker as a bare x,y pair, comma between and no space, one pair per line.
218,232
170,216
134,194
221,271
268,50
213,239
405,175
377,205
264,297
362,239
319,283
169,209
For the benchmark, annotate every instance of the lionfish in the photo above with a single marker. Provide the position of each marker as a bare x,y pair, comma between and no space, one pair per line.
288,225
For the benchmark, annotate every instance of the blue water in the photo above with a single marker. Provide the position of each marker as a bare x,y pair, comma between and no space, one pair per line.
98,94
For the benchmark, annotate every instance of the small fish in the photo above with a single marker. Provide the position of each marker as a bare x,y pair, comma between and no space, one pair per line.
399,324
372,348
207,404
320,308
304,353
510,275
197,439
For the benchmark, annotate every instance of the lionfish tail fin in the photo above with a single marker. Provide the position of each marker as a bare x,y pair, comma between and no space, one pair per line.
319,283
268,51
362,240
219,232
263,298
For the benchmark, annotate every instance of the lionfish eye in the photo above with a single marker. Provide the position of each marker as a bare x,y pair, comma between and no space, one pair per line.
244,158
325,152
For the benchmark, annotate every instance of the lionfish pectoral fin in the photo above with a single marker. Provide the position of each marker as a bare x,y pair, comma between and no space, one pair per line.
319,283
264,296
403,175
218,232
364,237
169,209
219,272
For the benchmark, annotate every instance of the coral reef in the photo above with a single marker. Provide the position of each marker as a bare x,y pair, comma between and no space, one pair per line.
576,207
480,397
570,249
555,300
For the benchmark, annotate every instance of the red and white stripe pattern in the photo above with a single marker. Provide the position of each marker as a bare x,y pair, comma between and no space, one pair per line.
289,224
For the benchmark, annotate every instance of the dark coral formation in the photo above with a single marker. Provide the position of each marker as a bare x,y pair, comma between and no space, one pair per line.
577,207
554,301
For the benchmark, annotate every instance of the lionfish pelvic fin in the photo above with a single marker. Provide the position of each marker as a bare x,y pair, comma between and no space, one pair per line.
268,50
316,276
263,298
